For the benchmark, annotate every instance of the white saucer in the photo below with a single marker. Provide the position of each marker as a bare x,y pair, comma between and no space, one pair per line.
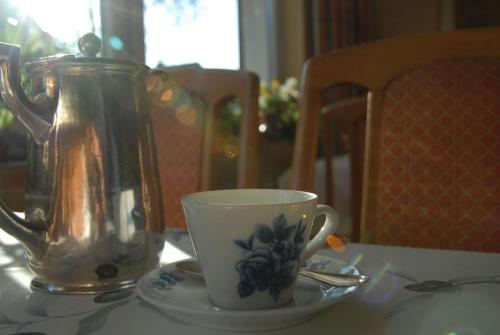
185,298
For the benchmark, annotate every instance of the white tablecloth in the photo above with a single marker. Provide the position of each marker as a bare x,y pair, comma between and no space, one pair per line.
383,306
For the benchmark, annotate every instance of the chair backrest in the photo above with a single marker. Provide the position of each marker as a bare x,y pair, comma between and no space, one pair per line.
349,115
432,160
185,116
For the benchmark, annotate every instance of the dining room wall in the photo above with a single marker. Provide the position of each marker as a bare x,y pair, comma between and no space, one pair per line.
390,18
393,18
291,34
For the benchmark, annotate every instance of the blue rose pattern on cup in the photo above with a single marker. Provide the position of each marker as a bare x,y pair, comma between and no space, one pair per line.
271,258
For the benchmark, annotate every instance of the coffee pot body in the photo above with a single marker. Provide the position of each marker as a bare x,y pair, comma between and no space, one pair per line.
93,211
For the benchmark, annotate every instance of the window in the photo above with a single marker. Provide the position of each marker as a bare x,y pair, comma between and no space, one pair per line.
79,18
41,30
192,31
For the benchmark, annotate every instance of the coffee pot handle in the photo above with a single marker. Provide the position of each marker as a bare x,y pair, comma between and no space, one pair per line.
31,234
15,98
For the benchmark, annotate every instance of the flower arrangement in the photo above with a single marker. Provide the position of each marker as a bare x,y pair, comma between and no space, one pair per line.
279,108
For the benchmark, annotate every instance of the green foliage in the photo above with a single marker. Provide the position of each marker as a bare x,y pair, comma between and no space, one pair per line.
231,116
15,28
6,117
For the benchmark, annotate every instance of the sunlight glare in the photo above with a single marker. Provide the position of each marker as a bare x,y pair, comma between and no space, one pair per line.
172,254
64,20
12,21
6,239
5,260
204,38
22,276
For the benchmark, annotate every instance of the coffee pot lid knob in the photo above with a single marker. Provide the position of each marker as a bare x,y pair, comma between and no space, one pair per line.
89,45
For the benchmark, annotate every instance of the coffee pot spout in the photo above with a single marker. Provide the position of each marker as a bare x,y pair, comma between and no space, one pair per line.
31,234
15,98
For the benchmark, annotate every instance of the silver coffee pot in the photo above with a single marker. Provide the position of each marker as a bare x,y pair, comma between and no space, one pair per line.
93,213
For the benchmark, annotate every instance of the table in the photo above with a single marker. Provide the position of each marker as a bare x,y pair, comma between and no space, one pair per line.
383,306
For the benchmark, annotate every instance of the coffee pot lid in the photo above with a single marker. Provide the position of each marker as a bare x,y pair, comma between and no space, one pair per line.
89,45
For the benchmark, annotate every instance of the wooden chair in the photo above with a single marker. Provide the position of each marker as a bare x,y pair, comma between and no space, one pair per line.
13,185
432,159
186,111
349,114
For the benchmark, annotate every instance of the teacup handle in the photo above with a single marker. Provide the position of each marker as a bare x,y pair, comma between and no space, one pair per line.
329,227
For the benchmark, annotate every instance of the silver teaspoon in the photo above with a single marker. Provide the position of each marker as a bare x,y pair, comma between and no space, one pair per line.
335,279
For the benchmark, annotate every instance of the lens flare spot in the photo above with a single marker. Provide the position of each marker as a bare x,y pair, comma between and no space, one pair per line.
153,83
12,21
6,260
231,151
262,127
185,115
356,259
116,42
377,278
381,287
167,95
335,243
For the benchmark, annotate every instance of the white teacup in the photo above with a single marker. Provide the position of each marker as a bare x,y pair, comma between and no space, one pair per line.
251,242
